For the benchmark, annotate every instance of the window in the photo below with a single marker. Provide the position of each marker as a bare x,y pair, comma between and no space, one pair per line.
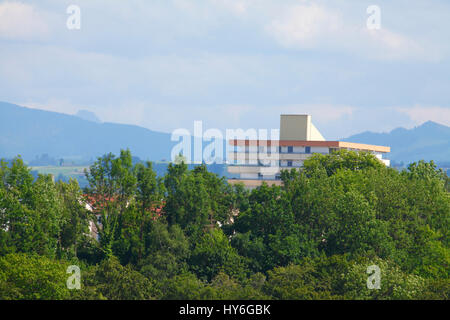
290,149
307,149
333,150
289,164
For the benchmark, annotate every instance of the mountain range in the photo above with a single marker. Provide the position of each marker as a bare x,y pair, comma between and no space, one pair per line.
33,132
429,141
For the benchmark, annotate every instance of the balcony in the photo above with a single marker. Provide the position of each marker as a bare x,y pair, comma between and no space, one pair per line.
255,156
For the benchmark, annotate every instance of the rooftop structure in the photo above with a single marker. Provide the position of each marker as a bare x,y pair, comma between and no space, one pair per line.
255,161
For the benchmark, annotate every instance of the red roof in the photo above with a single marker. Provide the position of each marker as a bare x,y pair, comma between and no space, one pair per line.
96,202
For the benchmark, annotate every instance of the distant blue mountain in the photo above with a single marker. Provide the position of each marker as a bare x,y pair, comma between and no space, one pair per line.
429,141
32,132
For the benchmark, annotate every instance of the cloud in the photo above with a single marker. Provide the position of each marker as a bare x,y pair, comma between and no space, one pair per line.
230,63
316,26
304,25
237,7
421,114
324,113
21,21
384,44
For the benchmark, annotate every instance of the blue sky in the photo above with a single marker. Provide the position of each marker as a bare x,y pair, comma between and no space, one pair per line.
162,64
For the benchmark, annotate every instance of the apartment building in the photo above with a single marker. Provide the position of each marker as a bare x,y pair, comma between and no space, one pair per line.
255,161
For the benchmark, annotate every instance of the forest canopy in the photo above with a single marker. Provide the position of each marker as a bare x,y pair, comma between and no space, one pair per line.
191,235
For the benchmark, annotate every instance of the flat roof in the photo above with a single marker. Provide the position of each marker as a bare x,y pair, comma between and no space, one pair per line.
302,143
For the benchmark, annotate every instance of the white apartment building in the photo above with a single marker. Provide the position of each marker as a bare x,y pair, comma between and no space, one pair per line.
255,161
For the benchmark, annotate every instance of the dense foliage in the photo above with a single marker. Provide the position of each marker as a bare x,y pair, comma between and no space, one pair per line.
191,235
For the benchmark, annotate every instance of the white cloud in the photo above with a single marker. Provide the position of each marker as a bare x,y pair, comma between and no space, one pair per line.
21,21
164,64
323,113
421,114
384,44
304,25
317,26
237,7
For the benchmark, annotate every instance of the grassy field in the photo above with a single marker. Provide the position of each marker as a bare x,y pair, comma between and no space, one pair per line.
57,170
75,172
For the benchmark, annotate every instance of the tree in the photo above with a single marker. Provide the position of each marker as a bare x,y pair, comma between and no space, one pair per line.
213,254
267,232
167,253
31,212
356,229
185,286
295,282
150,189
112,185
32,277
115,282
75,221
425,170
226,288
394,284
190,235
340,159
189,205
174,175
15,216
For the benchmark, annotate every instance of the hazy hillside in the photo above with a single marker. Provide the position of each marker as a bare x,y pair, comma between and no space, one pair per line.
430,141
31,132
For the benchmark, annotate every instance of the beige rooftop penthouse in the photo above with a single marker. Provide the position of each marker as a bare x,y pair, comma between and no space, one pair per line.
255,161
298,127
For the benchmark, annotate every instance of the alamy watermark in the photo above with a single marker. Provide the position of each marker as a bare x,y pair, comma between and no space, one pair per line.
236,146
74,281
74,20
374,280
374,19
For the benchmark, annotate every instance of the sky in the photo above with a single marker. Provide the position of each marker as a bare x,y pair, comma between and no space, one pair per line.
162,64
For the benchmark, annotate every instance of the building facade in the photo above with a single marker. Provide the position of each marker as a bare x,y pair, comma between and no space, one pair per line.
255,161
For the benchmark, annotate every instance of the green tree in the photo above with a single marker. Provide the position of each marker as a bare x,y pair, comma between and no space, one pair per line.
167,253
75,221
115,282
31,213
394,285
295,282
341,159
213,254
186,286
32,277
267,232
112,186
189,205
